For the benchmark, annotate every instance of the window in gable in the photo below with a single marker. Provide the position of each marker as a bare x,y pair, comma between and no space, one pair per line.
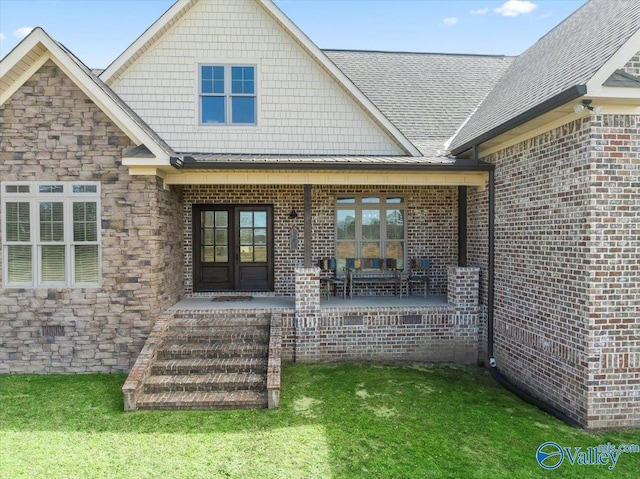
227,95
51,234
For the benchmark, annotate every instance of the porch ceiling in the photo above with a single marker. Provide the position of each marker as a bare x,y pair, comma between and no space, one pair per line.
328,177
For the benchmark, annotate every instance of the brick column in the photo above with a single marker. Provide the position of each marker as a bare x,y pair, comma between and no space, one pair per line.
463,288
463,291
307,314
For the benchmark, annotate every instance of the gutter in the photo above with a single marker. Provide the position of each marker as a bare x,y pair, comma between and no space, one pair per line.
493,364
460,165
546,106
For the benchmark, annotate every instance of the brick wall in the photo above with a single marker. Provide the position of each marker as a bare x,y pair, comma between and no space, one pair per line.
283,199
633,66
447,333
613,368
567,267
300,108
52,131
432,226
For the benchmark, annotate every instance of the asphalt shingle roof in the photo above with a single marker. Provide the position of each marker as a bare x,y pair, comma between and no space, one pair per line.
568,56
427,96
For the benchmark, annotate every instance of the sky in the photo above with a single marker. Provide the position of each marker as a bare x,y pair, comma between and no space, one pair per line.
97,31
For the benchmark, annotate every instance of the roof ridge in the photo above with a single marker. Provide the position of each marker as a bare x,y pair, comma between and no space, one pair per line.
399,52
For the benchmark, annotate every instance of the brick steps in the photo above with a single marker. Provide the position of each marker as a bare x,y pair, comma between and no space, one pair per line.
208,360
204,400
194,321
207,382
217,335
217,350
209,366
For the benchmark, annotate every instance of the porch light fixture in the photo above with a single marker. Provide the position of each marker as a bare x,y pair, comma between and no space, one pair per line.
594,110
293,214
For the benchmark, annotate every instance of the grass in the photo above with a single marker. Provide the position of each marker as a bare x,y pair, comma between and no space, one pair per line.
334,422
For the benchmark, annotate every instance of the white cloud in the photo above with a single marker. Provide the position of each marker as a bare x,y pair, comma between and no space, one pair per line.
2,37
450,21
480,11
513,8
22,32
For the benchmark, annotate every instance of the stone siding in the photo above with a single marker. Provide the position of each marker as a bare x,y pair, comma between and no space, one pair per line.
52,131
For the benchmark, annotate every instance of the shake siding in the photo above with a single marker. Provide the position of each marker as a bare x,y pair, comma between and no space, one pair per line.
51,131
300,108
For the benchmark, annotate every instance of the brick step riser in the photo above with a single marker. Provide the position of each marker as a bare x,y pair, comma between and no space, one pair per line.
177,370
201,406
218,325
221,322
213,354
205,387
215,338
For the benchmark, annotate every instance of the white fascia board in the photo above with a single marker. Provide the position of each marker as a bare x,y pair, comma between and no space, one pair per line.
28,73
108,105
20,51
613,92
322,59
83,81
148,35
618,60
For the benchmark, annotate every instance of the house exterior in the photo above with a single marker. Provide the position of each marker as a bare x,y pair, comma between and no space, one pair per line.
176,172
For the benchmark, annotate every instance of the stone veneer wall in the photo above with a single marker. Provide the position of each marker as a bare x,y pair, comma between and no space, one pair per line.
50,130
443,333
432,224
568,267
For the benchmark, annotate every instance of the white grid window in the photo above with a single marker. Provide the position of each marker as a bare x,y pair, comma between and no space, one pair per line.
50,234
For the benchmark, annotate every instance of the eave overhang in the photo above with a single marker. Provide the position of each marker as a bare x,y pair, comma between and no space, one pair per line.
547,106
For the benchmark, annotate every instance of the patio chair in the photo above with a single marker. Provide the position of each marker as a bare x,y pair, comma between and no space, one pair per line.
329,278
419,274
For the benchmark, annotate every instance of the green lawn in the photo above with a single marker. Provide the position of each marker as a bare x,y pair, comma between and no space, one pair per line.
334,421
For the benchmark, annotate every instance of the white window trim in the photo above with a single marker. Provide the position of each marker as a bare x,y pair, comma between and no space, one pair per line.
227,94
34,197
383,206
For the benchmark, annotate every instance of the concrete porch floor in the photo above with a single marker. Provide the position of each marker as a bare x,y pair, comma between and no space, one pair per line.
283,303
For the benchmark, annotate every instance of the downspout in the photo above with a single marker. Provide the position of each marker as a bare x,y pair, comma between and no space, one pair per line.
493,364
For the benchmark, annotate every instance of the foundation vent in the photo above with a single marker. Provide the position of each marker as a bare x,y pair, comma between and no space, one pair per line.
53,330
412,319
352,320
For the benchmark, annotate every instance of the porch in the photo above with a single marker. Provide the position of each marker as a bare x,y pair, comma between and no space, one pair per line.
287,303
225,351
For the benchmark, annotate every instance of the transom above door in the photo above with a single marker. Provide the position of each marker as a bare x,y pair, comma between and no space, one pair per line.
233,248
